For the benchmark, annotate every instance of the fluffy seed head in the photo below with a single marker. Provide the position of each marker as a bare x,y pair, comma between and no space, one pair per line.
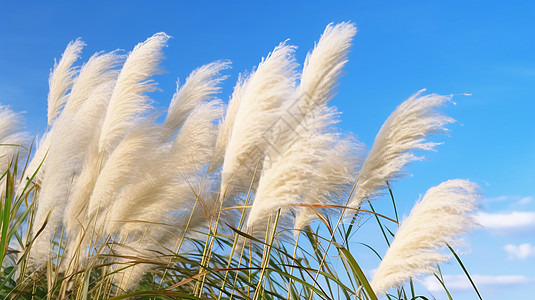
259,108
404,132
200,85
443,214
128,100
61,78
323,67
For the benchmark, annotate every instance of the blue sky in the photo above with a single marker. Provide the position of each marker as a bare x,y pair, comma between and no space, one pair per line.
485,48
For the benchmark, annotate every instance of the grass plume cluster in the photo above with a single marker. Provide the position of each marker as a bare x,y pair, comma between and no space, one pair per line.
215,201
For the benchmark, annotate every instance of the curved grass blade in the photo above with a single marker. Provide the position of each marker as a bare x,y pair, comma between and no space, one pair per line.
357,272
465,271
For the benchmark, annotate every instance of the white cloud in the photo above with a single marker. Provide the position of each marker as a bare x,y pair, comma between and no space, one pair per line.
514,201
482,282
520,252
515,220
499,198
525,200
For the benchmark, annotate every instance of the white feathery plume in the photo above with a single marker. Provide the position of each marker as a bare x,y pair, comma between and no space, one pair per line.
78,227
161,188
194,144
306,167
96,71
128,99
159,238
60,81
90,114
93,73
225,126
89,117
62,161
37,164
323,67
10,136
10,123
151,199
77,223
259,109
321,71
124,164
404,132
339,172
61,78
68,147
121,117
200,85
443,214
12,142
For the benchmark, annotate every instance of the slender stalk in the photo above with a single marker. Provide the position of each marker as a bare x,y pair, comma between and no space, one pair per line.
234,244
267,257
331,240
179,242
291,267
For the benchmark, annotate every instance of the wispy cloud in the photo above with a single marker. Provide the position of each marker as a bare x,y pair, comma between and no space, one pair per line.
515,221
518,70
483,282
525,200
513,200
521,252
499,198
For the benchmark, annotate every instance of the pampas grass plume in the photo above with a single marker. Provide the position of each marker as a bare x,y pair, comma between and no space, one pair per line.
337,172
123,165
201,84
128,99
96,71
60,81
259,108
226,125
11,142
307,172
442,215
404,132
10,136
323,67
61,78
90,119
194,144
69,144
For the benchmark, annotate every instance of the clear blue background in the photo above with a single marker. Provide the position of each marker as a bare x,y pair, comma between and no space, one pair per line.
485,48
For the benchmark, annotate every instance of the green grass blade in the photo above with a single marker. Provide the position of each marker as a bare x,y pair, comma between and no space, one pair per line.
444,286
465,271
358,272
6,217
